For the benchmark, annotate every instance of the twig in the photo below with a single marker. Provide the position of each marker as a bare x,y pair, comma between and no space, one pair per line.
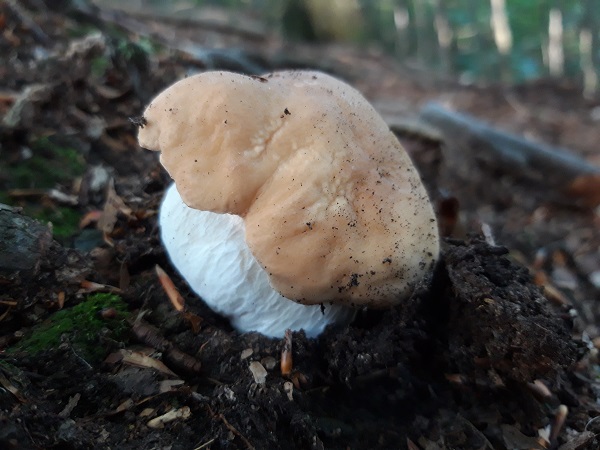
25,18
230,427
150,335
80,358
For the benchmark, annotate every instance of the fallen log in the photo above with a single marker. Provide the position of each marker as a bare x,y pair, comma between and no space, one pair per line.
473,141
32,262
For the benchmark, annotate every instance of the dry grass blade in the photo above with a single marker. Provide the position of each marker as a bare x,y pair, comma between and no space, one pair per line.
206,444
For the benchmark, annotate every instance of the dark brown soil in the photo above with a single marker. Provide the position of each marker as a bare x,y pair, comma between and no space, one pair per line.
459,366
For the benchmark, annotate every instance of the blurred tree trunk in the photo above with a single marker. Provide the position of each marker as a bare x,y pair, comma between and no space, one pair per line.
556,54
426,42
445,35
478,42
402,24
502,37
588,47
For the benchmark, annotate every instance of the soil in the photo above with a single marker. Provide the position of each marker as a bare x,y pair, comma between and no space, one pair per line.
489,353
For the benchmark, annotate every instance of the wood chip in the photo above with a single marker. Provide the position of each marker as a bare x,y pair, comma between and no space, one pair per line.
288,388
70,406
258,372
269,362
246,353
175,414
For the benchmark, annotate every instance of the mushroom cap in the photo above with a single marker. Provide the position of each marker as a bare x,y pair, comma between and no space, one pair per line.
210,252
333,207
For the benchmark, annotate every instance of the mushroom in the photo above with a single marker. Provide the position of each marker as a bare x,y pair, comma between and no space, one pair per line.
332,208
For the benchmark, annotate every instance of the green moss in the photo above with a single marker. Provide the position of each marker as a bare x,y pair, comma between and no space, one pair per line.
49,164
65,221
99,66
80,325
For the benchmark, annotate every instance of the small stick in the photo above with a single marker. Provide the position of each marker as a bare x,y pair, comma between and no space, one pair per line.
206,444
170,289
150,335
230,427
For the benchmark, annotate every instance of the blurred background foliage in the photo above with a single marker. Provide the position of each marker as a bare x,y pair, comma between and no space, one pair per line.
489,40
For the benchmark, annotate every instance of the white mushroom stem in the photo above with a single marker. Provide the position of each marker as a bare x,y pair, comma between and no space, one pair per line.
210,252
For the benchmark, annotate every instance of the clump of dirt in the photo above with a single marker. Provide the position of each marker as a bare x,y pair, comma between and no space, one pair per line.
499,320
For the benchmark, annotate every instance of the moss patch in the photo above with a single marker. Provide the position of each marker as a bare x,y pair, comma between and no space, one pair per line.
65,221
80,326
49,164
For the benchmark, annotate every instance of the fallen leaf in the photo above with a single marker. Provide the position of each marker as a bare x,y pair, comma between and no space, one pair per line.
6,384
140,360
112,207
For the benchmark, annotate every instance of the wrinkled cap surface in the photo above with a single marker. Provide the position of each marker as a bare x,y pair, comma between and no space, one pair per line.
333,207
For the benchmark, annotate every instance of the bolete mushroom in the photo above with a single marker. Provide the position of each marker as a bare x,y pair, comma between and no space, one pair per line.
332,208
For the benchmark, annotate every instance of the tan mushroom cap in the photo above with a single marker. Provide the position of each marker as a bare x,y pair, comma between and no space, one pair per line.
333,207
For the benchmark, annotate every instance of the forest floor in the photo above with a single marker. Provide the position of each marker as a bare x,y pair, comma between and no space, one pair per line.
495,350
